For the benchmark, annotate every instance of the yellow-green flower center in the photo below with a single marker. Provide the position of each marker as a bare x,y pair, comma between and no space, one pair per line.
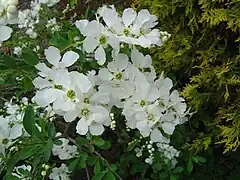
84,112
126,32
60,87
86,100
142,103
71,94
118,76
103,40
5,141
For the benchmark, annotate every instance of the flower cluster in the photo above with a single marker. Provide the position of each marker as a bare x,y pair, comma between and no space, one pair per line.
64,150
29,17
131,28
8,15
11,126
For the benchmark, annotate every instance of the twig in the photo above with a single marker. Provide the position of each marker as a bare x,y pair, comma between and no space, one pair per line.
88,177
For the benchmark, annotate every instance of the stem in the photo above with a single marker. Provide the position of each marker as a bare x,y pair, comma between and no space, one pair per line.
88,177
71,45
95,152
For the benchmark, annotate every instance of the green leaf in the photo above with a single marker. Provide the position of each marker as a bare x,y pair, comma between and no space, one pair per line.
59,41
9,61
99,175
109,176
98,141
199,159
29,121
27,84
51,130
30,58
189,165
106,145
91,148
113,167
132,145
97,167
172,177
178,170
48,150
91,160
81,141
73,164
82,160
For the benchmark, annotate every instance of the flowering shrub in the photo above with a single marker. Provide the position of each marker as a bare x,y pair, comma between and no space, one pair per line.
85,87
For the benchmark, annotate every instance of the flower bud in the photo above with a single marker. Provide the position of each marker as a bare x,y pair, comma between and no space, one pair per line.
11,9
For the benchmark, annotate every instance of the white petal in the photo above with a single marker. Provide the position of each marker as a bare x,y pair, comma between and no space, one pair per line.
5,33
100,113
129,16
102,98
153,94
81,81
122,62
96,129
114,42
156,135
45,97
71,115
110,17
16,131
105,75
43,68
69,58
41,83
53,55
82,126
81,25
90,44
100,55
93,29
168,127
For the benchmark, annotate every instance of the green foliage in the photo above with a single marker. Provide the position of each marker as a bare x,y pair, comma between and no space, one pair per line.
202,56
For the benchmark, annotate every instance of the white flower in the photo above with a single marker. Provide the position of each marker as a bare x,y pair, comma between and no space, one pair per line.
63,91
115,78
64,151
21,171
53,56
5,33
49,3
9,131
61,173
97,39
8,12
92,118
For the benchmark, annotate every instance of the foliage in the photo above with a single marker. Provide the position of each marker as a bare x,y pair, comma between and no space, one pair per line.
203,57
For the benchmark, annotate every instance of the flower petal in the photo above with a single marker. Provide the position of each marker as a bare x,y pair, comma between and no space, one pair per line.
129,16
168,127
53,55
156,135
5,33
90,44
100,55
96,129
69,58
82,126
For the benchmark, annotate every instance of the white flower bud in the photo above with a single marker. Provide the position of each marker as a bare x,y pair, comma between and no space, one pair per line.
43,173
12,9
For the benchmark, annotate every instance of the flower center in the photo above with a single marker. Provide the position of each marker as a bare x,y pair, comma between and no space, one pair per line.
84,112
5,141
150,117
118,76
142,103
142,32
126,32
60,87
103,40
86,100
71,94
